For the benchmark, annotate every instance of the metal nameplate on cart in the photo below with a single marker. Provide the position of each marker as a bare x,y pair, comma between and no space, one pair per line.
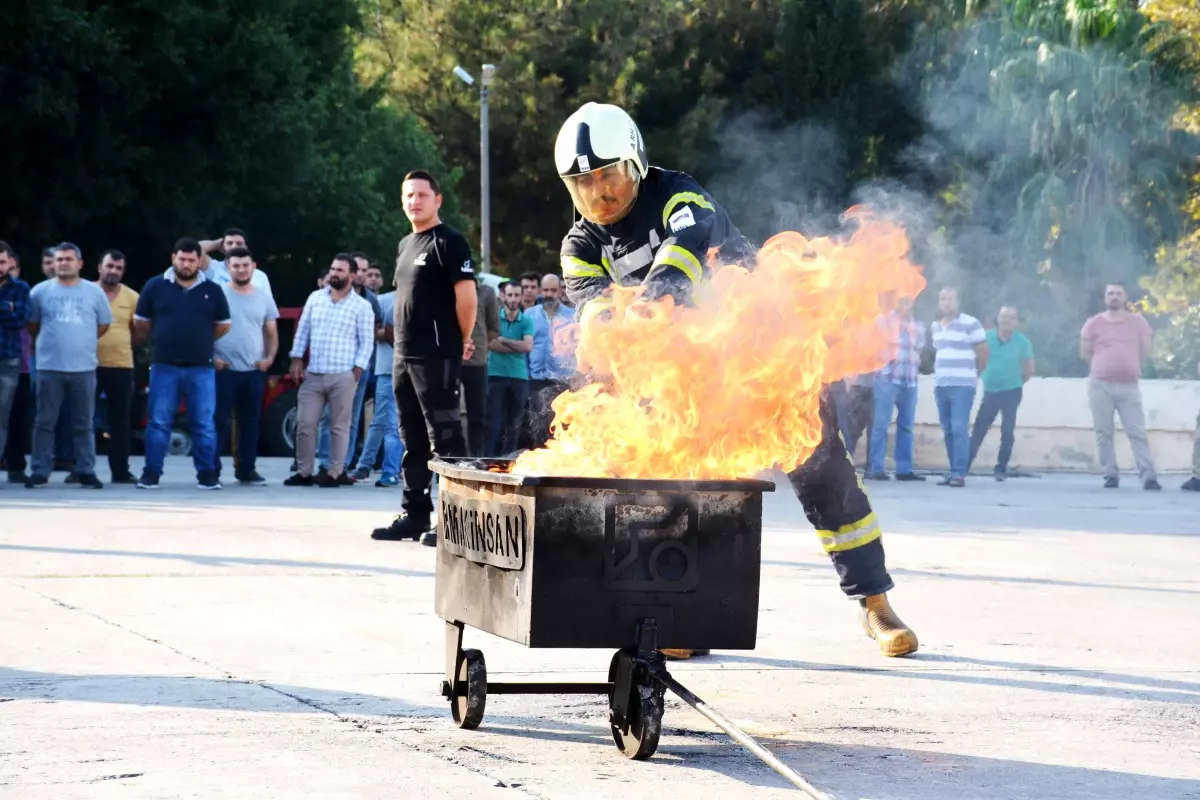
484,531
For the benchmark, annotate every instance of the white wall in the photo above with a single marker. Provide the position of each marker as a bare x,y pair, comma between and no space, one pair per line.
1054,428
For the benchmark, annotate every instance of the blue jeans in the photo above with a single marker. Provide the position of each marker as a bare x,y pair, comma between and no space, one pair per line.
506,410
239,393
198,387
890,395
384,430
323,440
954,412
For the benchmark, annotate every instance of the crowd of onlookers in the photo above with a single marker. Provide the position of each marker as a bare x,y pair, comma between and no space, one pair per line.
963,357
210,321
441,340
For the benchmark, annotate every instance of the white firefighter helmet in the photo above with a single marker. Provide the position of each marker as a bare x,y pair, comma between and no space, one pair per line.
601,157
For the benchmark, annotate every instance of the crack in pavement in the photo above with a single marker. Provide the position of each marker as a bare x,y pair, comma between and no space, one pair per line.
365,725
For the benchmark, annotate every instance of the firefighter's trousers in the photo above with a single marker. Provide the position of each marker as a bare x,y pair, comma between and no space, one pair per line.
836,504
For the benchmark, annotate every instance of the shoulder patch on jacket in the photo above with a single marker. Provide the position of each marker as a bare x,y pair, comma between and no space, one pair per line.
681,219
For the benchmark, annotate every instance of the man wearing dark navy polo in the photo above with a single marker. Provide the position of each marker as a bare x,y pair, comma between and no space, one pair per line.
176,309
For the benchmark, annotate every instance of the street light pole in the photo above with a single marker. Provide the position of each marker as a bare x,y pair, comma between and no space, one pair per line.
485,181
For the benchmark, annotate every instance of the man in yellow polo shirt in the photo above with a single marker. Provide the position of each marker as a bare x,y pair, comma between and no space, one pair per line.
114,375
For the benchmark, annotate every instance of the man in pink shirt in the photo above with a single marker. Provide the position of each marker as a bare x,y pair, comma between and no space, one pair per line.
1114,343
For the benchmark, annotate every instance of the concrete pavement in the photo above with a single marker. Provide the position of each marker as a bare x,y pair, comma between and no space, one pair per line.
255,643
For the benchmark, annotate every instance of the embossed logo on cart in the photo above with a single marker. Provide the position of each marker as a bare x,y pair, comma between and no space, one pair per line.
651,546
485,532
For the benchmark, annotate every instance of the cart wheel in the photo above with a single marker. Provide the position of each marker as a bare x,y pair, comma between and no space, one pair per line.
468,709
645,726
645,718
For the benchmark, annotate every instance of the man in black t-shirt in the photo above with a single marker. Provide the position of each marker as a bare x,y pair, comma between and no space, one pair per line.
434,317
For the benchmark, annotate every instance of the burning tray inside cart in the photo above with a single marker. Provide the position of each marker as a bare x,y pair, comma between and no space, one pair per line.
580,562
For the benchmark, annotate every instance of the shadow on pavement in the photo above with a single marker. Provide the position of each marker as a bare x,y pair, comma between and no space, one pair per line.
1187,694
214,694
962,576
222,561
877,772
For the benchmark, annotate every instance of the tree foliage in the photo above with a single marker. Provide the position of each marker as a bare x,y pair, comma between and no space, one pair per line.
130,124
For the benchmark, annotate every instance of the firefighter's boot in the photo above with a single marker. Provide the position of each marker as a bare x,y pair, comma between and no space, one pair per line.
681,654
881,624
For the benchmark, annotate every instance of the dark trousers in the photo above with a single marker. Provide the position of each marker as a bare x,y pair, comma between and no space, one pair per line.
475,388
239,393
64,442
855,406
116,384
835,503
507,398
1005,404
53,389
542,395
427,400
20,426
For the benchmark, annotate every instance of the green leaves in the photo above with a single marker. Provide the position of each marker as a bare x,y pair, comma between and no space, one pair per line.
134,123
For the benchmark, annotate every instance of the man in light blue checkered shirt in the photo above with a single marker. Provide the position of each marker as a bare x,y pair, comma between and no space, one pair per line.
337,330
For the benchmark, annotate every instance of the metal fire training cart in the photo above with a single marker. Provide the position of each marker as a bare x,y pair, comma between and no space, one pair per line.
633,565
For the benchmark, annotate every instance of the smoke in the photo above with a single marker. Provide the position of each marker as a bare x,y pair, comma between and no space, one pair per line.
1043,172
776,179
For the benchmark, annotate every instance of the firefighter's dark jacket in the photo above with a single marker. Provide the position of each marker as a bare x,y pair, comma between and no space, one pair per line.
663,242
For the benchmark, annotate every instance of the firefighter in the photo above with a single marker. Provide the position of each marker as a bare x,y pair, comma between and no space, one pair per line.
642,225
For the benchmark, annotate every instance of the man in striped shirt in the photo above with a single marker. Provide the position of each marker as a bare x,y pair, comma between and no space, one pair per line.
962,353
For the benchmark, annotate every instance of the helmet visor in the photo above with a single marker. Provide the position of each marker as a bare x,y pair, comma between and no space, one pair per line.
604,196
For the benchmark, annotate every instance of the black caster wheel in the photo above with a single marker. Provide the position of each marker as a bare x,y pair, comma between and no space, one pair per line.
638,737
467,708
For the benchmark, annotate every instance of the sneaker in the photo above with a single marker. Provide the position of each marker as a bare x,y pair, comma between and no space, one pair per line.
73,478
89,482
345,480
429,538
1191,485
253,479
1000,477
945,481
149,480
1152,486
17,477
36,481
299,480
325,480
387,481
909,476
956,483
126,479
208,481
1112,483
877,476
402,527
361,474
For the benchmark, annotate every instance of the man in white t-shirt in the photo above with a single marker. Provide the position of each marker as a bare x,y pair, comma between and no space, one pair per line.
217,271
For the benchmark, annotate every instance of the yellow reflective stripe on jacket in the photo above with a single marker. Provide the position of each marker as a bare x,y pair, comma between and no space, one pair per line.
682,259
578,268
848,537
680,199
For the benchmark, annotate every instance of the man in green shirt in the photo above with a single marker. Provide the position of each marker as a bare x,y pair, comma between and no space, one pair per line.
1010,365
508,372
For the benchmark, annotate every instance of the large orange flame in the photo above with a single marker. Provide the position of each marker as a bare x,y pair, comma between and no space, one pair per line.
730,387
